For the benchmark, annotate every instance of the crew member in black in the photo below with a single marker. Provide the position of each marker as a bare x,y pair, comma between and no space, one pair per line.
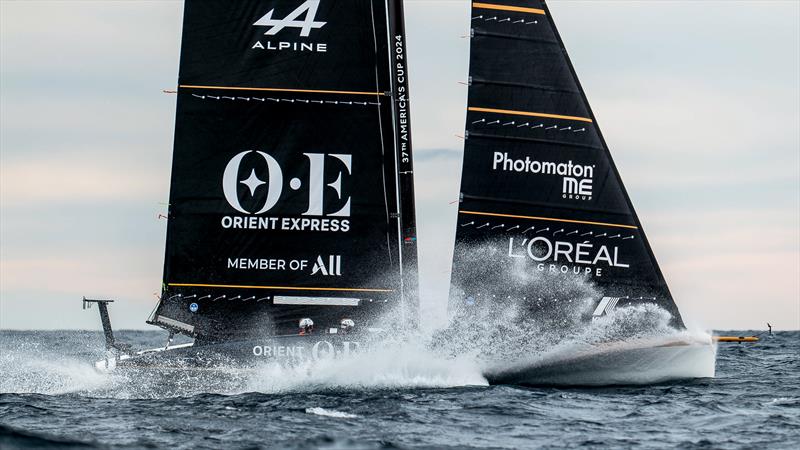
306,326
347,325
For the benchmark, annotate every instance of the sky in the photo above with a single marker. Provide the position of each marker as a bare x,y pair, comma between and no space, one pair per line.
698,101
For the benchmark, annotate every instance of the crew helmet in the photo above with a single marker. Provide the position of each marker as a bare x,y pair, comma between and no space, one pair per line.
347,324
306,322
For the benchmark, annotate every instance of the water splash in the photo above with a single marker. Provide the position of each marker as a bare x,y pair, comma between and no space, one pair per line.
30,366
537,327
547,336
389,364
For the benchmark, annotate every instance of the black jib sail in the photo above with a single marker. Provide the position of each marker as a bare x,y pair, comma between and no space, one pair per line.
539,189
292,185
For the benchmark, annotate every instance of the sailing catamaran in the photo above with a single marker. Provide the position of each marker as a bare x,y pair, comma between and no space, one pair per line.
291,217
292,192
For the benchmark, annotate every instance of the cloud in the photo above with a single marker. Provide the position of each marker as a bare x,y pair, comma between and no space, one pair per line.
64,180
695,135
107,41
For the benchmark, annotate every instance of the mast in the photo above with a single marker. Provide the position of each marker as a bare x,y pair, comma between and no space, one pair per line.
287,199
405,162
539,187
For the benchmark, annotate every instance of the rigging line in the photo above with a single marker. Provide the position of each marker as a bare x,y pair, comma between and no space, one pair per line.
496,7
396,162
383,145
287,288
306,91
516,37
528,113
550,219
540,87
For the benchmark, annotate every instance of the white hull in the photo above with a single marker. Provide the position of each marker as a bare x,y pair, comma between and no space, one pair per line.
619,363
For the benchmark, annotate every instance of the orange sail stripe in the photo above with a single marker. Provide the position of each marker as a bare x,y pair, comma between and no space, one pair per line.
530,114
507,8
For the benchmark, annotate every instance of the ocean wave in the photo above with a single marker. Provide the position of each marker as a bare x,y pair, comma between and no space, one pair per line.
12,438
331,413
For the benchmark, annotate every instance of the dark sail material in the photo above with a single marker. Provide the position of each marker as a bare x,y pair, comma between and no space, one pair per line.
286,191
539,186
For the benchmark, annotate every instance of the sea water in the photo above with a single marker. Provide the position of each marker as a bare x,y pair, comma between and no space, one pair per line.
410,396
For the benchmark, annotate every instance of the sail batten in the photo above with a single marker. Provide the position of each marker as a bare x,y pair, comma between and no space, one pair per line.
513,37
475,134
528,114
540,87
499,7
551,206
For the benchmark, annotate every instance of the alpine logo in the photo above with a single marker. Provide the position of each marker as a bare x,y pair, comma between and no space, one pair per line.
309,12
309,8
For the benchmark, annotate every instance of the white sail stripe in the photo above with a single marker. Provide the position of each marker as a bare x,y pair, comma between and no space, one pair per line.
289,100
303,91
507,19
611,305
528,125
285,288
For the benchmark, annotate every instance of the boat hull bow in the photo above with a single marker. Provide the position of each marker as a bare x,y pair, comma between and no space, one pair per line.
618,363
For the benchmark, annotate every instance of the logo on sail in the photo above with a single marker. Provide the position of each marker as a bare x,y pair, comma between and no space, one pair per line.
565,257
319,351
265,188
253,182
331,267
325,266
576,181
309,10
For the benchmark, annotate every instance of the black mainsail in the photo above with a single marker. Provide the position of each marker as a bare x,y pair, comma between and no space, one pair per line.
292,185
539,186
